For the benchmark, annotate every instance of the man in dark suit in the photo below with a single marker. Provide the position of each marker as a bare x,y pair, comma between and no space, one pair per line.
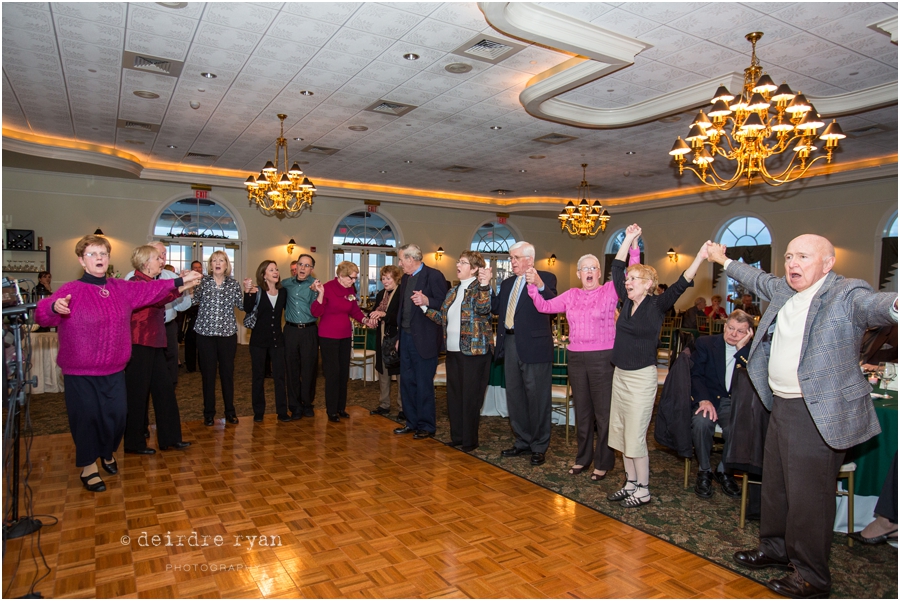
420,341
715,359
525,343
805,367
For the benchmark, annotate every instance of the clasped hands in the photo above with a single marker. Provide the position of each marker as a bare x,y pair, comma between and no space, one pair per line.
532,277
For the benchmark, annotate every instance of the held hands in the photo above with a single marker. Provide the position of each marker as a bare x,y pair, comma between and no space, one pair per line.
632,232
318,286
532,277
708,410
376,315
715,253
189,276
484,275
419,299
249,288
61,305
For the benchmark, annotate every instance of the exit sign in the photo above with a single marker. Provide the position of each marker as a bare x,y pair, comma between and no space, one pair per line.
201,194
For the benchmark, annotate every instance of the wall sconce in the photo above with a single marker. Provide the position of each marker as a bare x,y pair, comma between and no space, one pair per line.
673,256
290,246
99,232
551,260
439,254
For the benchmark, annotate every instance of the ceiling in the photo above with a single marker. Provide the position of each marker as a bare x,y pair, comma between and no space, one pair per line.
69,85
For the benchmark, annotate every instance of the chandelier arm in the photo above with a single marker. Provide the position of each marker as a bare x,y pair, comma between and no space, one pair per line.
726,185
785,177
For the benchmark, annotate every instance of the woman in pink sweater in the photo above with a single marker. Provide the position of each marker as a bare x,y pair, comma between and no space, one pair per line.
591,313
93,317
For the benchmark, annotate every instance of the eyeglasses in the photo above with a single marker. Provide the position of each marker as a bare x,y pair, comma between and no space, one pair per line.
304,265
517,258
632,278
463,263
352,277
98,255
589,269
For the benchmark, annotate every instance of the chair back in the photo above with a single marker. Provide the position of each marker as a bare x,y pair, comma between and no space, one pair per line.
360,335
716,326
702,323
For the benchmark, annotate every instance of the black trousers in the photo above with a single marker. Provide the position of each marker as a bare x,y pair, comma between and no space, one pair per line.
217,351
887,500
171,350
528,395
258,356
417,386
798,484
190,345
97,408
591,374
147,375
467,379
301,358
336,369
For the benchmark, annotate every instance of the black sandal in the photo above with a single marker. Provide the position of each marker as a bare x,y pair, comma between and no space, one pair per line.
595,477
574,471
635,501
622,493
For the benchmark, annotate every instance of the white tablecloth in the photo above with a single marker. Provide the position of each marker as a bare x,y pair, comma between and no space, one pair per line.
44,349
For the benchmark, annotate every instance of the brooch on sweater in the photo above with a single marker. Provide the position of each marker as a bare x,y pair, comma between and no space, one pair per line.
351,297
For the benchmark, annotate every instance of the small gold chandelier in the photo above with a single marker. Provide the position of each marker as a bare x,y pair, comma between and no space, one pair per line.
758,131
586,219
284,193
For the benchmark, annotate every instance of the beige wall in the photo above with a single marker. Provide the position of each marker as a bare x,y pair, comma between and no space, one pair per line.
62,207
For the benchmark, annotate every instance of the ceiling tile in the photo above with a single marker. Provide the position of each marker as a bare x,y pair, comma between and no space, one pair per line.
382,20
358,43
299,29
88,32
330,12
165,24
206,58
226,38
284,51
338,62
99,55
240,15
418,8
439,35
25,16
156,46
462,14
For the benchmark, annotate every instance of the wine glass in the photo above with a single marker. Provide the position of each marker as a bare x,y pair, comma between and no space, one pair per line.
888,373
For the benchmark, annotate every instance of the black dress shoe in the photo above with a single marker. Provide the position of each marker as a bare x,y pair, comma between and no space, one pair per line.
468,448
334,417
401,417
285,418
537,458
729,486
308,412
296,416
178,446
794,586
403,430
703,488
379,411
756,559
258,419
232,420
513,452
97,486
208,421
344,414
110,468
144,451
420,434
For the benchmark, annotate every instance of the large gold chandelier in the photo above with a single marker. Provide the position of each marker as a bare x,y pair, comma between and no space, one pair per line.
585,219
758,130
280,193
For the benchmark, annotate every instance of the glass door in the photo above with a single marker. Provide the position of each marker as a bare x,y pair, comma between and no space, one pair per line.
370,261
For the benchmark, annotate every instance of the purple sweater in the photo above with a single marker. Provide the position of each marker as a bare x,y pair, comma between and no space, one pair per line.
591,314
95,338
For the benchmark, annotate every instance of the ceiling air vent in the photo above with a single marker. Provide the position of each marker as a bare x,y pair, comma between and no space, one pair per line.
319,149
869,130
387,107
200,155
458,169
138,125
555,139
488,49
151,64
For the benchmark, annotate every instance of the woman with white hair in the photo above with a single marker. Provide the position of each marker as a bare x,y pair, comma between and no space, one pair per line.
591,313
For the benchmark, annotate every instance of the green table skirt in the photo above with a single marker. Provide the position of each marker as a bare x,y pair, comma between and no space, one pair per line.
874,457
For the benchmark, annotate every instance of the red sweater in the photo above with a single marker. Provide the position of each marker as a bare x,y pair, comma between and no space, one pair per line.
148,324
336,310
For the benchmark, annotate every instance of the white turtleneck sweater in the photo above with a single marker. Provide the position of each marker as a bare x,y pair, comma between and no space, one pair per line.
453,315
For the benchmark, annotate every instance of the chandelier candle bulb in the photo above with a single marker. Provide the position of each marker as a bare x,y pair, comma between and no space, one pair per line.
281,195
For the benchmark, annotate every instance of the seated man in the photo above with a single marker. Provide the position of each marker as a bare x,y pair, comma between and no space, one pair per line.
690,316
715,359
748,307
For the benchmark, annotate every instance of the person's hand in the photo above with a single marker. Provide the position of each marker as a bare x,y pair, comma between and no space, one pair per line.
715,253
530,275
632,231
61,305
318,286
419,299
484,276
189,275
189,286
376,314
248,283
708,410
704,251
743,341
535,278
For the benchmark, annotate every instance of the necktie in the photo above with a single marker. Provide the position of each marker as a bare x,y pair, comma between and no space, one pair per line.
511,307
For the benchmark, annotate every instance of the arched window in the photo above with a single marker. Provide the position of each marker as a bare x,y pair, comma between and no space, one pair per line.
368,240
887,272
193,229
493,240
612,249
748,240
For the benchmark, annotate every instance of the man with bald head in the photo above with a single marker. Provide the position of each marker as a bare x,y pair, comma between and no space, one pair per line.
804,363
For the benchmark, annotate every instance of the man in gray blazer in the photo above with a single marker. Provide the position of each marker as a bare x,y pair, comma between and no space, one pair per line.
804,363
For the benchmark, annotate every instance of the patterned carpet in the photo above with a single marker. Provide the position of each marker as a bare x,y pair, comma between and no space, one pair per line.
707,527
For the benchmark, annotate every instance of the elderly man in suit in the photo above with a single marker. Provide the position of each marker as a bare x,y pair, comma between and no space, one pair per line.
714,361
421,287
525,342
805,366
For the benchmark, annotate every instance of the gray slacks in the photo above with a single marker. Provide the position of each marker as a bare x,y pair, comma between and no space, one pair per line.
703,429
528,398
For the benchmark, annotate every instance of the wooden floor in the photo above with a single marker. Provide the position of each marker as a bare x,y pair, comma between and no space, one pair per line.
315,509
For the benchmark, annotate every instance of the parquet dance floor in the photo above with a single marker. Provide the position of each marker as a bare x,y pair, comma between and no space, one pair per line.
315,509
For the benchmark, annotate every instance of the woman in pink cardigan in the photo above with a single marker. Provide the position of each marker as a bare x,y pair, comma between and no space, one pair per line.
93,317
591,313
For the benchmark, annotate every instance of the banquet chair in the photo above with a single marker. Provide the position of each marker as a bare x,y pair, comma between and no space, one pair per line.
361,356
716,326
561,394
667,350
718,445
703,324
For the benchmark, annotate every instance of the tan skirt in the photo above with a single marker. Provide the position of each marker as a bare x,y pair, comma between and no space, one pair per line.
633,395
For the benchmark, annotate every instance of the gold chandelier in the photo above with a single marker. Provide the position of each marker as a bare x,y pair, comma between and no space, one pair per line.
758,130
585,219
280,193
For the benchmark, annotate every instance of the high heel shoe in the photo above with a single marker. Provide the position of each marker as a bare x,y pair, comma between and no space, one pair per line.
875,540
98,486
574,471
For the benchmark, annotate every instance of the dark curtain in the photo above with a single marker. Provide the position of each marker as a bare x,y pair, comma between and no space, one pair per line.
750,255
888,261
607,265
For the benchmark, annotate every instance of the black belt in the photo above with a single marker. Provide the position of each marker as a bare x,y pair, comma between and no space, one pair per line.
301,325
510,332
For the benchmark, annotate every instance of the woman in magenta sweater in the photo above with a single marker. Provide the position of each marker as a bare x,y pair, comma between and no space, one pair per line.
93,317
336,304
591,313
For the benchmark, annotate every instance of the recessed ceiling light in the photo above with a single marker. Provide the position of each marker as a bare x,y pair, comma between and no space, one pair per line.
411,56
853,73
496,127
358,128
523,170
534,190
610,90
146,94
382,171
171,146
175,5
537,156
407,162
306,93
532,63
201,90
631,152
298,139
208,75
458,68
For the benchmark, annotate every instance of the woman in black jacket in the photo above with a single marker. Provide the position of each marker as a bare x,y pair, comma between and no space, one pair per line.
387,303
267,338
